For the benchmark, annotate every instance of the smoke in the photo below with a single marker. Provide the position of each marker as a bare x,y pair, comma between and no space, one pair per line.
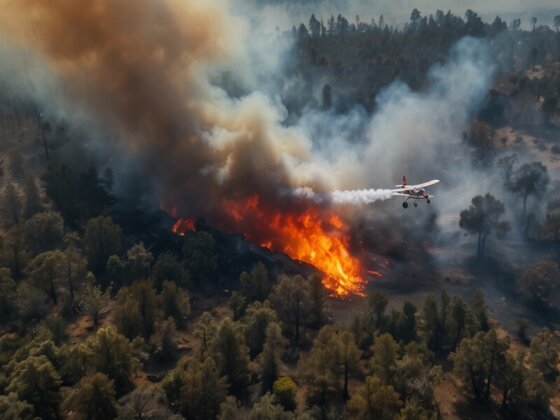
146,75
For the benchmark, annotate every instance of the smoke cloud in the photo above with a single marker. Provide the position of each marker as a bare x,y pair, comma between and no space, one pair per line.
145,74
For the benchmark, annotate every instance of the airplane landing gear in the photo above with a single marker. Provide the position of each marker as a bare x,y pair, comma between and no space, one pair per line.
405,205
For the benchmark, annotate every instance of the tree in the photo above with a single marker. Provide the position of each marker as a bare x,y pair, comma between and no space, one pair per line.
256,320
292,301
139,260
164,340
270,357
479,313
145,403
75,269
11,205
374,401
205,330
415,15
534,22
203,390
168,268
385,354
476,361
11,408
314,27
92,299
31,303
458,312
7,295
36,381
47,272
44,232
530,179
58,328
506,164
543,354
33,204
265,408
482,218
436,321
93,398
175,302
284,390
137,309
556,22
102,239
112,355
116,272
539,282
255,285
200,258
232,356
327,368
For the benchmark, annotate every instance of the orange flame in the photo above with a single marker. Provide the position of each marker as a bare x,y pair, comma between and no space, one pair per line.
312,236
182,226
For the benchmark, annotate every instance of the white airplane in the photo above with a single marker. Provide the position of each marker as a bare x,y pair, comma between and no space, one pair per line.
414,192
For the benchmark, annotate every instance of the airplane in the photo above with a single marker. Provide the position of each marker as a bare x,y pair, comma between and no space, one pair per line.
414,192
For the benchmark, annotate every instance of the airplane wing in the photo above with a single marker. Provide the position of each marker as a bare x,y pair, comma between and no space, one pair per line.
424,184
400,194
400,190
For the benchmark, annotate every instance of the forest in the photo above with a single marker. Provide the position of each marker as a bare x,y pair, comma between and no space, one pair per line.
108,311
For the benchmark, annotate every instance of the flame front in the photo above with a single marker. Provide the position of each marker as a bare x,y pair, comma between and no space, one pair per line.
311,235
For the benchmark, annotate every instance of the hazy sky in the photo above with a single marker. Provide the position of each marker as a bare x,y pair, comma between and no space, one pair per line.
288,12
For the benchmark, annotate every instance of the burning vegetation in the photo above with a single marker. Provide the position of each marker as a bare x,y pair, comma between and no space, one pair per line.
315,236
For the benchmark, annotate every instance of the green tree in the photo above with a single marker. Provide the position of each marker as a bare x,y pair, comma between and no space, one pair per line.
93,300
138,262
58,328
164,340
265,408
141,297
102,239
543,353
478,310
93,398
270,357
116,272
374,401
284,390
146,403
477,360
539,282
7,295
11,205
292,301
458,312
255,285
33,204
203,390
256,320
200,258
44,232
333,359
168,268
175,302
11,408
36,381
232,356
385,354
31,303
112,354
47,273
75,268
206,329
482,218
238,305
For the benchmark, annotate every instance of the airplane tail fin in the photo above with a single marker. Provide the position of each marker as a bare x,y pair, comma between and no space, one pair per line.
404,181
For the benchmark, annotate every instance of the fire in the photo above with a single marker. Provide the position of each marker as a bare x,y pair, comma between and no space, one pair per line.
182,226
312,236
